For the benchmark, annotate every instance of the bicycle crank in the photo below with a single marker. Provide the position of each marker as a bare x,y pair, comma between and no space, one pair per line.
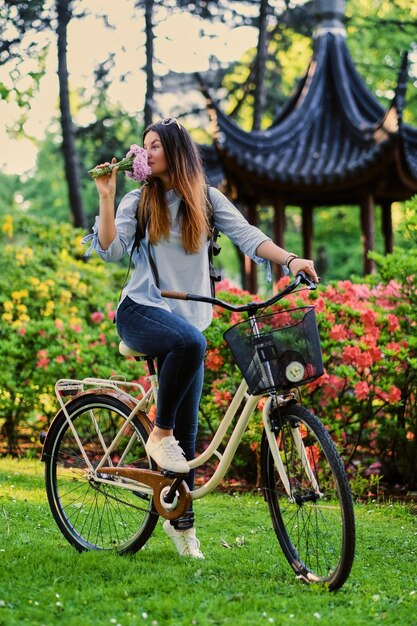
171,495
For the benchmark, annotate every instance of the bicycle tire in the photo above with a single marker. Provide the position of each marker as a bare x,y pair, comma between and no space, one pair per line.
93,516
316,532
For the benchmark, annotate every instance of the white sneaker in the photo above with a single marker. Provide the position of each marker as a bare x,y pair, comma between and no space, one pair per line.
185,541
168,455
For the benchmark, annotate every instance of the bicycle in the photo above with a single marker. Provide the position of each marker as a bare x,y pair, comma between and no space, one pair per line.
105,493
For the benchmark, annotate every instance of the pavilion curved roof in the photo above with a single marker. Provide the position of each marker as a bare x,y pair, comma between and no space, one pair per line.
330,141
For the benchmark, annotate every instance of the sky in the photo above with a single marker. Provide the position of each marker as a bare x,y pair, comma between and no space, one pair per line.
178,45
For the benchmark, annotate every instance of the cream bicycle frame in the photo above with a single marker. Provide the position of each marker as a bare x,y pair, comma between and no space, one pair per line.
225,458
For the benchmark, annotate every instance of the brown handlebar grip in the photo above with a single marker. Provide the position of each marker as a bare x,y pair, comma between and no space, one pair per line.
175,295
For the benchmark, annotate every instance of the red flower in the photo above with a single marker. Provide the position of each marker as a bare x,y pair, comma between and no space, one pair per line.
361,390
375,353
214,360
97,317
43,359
393,322
222,398
393,346
364,360
338,332
350,354
369,319
394,394
334,386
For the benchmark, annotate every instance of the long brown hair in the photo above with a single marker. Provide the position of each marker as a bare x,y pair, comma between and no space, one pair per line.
186,171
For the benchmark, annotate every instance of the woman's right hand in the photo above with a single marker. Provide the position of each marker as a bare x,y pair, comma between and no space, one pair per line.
106,184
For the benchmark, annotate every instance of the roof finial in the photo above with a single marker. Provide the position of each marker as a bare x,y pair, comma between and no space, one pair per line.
401,87
330,17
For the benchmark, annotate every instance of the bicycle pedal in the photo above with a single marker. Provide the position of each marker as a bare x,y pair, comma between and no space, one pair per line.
169,474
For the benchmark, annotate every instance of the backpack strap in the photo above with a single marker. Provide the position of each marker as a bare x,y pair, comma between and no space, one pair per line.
213,248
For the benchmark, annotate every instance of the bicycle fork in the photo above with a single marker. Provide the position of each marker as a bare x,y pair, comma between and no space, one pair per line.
299,445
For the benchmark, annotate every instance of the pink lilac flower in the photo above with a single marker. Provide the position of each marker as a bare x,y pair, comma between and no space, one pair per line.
135,164
141,169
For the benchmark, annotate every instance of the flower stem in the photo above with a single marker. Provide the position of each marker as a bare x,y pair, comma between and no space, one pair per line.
125,165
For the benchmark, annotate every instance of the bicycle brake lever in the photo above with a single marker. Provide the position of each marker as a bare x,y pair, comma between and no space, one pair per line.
306,280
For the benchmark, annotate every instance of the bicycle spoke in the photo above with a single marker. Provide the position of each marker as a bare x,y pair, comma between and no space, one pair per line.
315,523
92,514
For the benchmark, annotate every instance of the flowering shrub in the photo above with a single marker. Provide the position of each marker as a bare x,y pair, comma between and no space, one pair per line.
56,315
366,397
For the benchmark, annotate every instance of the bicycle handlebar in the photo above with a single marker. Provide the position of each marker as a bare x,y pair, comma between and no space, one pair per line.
301,277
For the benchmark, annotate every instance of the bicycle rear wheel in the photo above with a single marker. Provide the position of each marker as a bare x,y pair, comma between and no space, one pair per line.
93,515
313,514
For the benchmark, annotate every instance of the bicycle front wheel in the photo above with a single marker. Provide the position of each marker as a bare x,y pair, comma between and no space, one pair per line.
92,515
308,496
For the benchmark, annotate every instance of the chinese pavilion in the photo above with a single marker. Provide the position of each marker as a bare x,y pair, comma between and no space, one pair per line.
331,144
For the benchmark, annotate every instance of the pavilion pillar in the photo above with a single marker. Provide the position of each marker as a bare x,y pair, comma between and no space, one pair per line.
278,228
251,278
368,232
307,230
387,232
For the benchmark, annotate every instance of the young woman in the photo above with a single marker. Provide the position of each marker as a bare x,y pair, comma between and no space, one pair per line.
170,211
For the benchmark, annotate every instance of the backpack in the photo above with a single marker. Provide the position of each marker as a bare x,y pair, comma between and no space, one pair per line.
213,248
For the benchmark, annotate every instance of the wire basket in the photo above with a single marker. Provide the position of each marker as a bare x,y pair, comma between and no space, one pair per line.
278,352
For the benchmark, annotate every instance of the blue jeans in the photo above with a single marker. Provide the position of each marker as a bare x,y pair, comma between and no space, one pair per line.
179,349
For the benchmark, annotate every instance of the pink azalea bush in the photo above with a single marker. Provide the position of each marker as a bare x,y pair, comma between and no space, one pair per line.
367,395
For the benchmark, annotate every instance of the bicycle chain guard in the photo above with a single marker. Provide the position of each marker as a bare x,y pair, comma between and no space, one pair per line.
160,486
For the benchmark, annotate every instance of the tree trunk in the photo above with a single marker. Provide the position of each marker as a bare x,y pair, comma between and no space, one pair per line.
260,64
149,96
72,167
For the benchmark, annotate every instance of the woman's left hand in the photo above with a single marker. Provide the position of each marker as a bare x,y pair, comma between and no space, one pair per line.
304,265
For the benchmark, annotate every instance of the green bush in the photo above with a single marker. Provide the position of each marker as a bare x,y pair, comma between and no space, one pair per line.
56,314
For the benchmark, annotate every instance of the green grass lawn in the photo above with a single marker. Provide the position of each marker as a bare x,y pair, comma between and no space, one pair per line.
244,579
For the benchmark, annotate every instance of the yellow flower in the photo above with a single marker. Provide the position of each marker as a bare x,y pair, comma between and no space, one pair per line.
7,317
82,289
23,255
8,305
19,295
79,248
43,290
33,280
21,308
7,226
49,308
65,296
47,401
